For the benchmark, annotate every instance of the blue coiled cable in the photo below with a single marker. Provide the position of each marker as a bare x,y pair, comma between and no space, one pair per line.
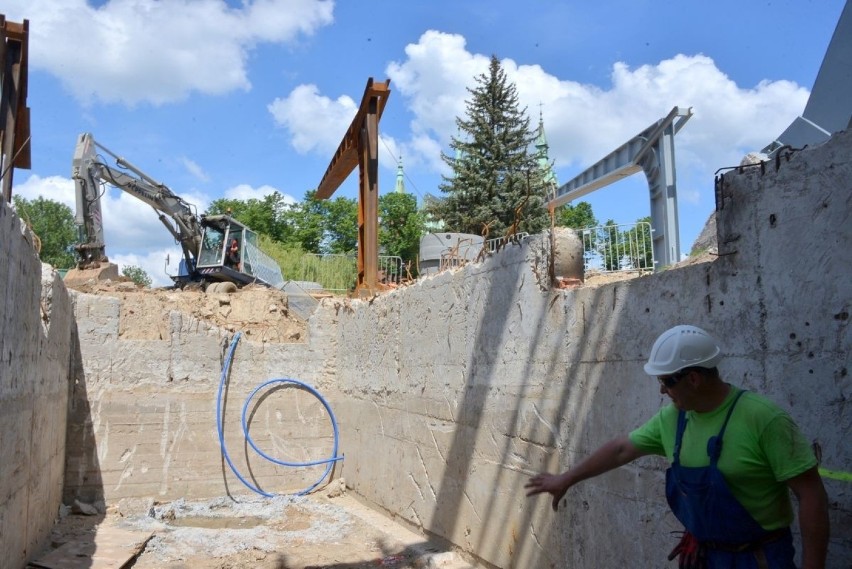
329,462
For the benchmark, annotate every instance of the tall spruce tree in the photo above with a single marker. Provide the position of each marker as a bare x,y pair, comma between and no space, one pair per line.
496,182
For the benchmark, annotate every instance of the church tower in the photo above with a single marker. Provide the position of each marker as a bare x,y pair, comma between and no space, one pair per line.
543,158
400,178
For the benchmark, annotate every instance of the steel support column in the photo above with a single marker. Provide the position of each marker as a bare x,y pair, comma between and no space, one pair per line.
360,146
368,202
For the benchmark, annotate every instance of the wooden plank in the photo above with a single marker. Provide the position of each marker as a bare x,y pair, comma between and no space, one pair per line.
109,548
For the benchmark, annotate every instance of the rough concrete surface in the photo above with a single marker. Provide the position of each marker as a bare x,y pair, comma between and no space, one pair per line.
36,351
287,532
449,393
150,399
475,379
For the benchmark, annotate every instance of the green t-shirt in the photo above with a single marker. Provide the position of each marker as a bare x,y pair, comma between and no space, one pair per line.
761,449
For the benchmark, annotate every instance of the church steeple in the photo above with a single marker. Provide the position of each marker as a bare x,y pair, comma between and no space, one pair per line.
400,177
542,156
541,140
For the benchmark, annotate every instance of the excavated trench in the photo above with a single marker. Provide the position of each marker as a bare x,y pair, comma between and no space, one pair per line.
325,529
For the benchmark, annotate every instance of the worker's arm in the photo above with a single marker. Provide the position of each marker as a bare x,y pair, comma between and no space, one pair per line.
813,517
613,454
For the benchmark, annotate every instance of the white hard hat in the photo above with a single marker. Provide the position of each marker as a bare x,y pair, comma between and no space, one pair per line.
681,347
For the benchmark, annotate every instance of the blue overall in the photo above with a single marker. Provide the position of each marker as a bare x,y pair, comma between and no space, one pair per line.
700,498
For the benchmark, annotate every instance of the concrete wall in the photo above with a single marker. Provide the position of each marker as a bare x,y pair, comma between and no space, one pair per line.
474,380
145,415
36,346
451,392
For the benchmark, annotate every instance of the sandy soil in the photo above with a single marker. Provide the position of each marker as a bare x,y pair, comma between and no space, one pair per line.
261,313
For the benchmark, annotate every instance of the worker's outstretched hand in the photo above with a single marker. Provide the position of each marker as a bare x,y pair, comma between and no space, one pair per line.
553,484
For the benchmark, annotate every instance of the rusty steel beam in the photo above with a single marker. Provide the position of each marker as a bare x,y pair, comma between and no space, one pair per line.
346,157
14,113
360,147
368,203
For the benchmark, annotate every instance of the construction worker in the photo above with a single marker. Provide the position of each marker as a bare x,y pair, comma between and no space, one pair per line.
733,454
232,255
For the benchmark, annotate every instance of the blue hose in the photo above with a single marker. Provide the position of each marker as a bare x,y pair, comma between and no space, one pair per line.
329,462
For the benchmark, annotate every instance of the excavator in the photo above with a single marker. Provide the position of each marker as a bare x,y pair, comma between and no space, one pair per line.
220,254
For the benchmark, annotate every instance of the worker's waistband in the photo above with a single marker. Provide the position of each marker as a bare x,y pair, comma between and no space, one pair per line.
770,537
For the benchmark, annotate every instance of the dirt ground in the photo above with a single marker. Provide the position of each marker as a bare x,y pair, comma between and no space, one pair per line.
288,532
597,278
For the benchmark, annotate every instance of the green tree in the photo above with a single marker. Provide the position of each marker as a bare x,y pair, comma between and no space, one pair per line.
630,249
340,230
306,220
577,216
496,180
266,216
401,226
324,226
137,275
53,223
609,246
640,247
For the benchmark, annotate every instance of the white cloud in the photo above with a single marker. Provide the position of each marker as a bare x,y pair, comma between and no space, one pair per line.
54,188
315,122
423,149
389,150
129,224
193,168
583,122
434,80
586,122
247,192
159,264
133,51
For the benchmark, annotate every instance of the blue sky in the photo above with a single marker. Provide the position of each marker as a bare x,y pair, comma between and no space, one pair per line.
238,99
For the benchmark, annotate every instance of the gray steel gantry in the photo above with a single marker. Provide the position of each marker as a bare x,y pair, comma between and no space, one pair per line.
651,151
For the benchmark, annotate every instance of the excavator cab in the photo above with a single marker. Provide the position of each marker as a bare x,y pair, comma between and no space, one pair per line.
226,250
212,247
229,253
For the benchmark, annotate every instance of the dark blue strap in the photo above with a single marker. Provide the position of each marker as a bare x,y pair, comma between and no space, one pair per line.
681,427
714,445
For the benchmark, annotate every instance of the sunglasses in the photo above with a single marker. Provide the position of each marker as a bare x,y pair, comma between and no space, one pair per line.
669,381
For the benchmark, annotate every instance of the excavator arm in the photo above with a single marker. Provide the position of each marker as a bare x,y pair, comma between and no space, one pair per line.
90,172
203,239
